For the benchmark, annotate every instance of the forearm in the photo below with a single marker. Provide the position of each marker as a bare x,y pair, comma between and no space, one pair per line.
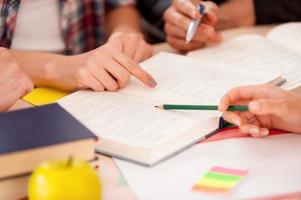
236,13
125,18
39,66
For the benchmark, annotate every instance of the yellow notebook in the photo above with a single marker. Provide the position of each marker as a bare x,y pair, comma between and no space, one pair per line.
43,96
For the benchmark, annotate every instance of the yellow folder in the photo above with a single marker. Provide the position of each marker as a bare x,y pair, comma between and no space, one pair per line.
42,96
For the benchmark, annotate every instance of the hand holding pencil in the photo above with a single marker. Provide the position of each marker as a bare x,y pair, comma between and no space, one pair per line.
269,107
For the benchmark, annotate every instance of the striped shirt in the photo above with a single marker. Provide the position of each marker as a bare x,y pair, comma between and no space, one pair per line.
81,21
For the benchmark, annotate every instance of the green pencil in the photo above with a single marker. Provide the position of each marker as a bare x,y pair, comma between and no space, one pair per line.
199,107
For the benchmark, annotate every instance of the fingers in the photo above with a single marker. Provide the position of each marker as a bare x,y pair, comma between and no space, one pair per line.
190,9
132,45
249,93
106,68
269,107
181,45
254,130
232,118
118,72
210,17
241,93
143,51
204,33
265,107
224,103
187,8
133,68
130,42
88,81
104,77
94,84
96,79
246,126
116,40
173,30
176,18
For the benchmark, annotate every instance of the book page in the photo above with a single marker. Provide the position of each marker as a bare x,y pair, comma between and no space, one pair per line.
288,35
129,116
191,81
257,54
130,120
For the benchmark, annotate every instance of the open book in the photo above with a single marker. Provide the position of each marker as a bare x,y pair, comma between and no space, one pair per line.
129,126
278,52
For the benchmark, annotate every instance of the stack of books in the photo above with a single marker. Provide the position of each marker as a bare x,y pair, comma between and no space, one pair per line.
31,136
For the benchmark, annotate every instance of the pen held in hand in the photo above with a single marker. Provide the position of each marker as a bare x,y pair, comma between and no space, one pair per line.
199,107
194,24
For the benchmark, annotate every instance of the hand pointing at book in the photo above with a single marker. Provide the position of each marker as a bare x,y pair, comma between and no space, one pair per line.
269,107
178,17
104,68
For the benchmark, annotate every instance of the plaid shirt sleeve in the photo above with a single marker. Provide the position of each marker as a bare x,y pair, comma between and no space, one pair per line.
117,3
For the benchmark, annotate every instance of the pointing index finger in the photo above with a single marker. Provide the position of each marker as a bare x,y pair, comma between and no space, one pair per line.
134,69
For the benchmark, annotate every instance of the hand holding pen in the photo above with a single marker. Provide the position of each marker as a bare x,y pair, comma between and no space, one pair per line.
182,16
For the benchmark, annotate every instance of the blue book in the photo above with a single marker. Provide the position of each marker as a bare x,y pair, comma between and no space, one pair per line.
31,136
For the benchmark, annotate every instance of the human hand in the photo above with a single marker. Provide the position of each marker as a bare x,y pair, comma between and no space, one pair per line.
131,44
14,83
178,17
104,68
269,107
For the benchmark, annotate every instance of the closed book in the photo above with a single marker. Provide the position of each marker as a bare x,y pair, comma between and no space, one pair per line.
31,136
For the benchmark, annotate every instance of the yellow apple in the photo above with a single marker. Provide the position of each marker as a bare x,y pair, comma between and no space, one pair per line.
63,180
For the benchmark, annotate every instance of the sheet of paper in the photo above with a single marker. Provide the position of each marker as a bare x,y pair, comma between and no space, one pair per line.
288,35
130,120
273,164
42,96
185,80
257,54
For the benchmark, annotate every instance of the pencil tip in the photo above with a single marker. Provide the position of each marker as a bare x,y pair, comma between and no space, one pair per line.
159,107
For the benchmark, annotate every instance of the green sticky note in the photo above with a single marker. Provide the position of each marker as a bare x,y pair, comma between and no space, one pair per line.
224,177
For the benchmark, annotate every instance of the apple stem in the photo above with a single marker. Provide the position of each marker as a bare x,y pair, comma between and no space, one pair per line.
69,162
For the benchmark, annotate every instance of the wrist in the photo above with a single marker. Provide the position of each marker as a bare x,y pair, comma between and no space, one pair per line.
128,29
248,17
52,70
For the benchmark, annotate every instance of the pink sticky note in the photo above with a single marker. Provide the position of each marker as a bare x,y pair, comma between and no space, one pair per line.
224,170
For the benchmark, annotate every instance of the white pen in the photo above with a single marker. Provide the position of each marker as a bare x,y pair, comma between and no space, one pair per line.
193,26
